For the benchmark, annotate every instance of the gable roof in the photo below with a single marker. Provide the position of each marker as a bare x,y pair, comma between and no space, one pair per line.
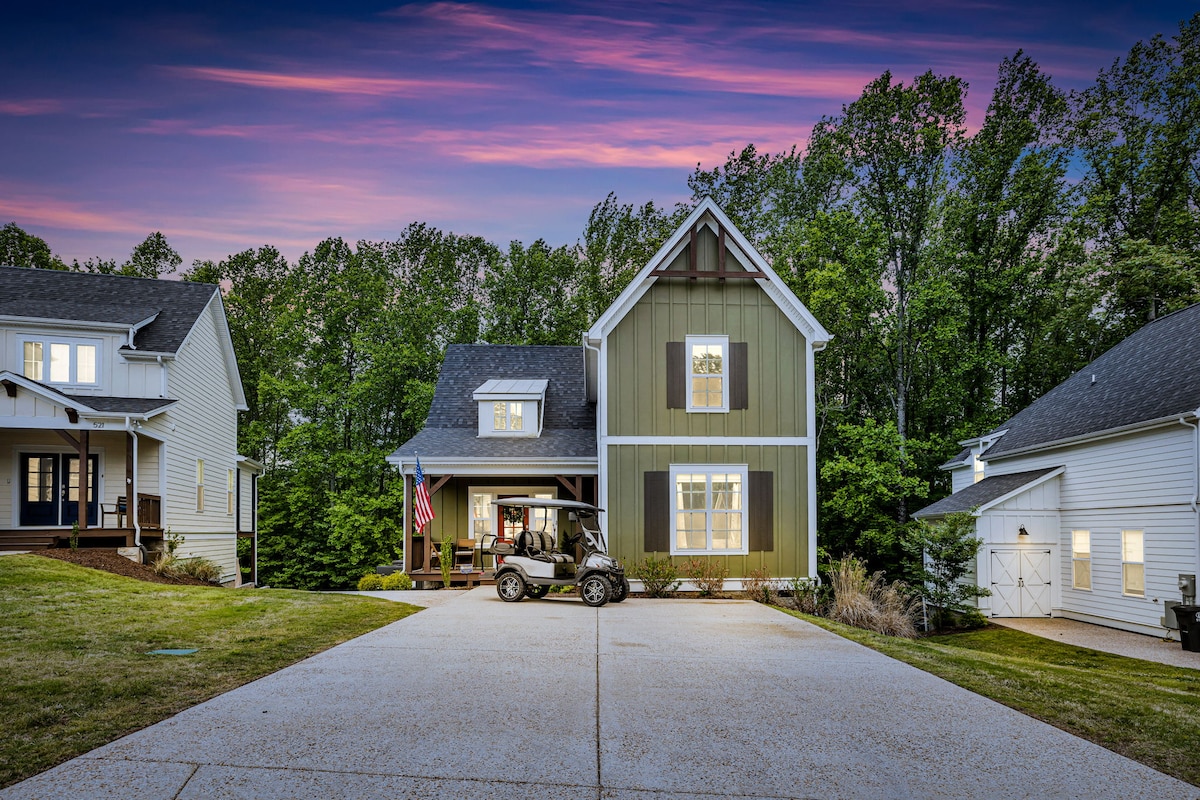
1153,375
163,311
451,432
89,405
771,283
987,492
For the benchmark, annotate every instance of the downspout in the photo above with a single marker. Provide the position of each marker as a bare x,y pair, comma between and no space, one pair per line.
131,501
1195,478
162,377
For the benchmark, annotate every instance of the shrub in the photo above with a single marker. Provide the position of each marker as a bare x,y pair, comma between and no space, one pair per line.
446,559
658,576
200,568
871,602
944,555
163,564
708,575
807,595
370,582
759,586
971,618
396,582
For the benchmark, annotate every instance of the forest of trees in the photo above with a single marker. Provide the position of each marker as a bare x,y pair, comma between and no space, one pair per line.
961,274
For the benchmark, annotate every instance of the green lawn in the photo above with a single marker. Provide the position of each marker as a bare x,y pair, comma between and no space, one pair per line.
74,673
1146,711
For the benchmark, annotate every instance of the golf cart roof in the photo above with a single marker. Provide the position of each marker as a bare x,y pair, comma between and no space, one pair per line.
546,502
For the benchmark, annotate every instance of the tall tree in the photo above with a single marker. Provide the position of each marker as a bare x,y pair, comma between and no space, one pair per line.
531,297
1137,133
21,249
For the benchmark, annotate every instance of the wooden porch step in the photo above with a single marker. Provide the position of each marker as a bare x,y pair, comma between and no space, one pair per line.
27,540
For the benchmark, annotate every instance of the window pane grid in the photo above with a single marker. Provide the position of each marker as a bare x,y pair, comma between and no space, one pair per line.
1133,568
708,514
1081,554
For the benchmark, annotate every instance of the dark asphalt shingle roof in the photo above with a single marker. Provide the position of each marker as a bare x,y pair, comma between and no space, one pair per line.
981,493
121,405
451,430
87,297
1155,373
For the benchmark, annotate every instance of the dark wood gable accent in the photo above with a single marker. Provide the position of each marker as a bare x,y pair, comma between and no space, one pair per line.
656,499
761,508
693,272
676,375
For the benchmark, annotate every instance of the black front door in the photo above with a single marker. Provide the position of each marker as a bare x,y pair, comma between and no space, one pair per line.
50,489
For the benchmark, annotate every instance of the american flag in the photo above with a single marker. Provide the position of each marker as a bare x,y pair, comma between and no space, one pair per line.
423,512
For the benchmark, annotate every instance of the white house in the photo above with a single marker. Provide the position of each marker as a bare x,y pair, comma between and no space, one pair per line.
1086,501
137,379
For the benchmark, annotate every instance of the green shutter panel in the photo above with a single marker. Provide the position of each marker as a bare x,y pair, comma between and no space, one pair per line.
761,508
656,499
676,375
739,378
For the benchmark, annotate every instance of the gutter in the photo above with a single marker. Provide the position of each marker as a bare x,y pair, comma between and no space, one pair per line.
1195,426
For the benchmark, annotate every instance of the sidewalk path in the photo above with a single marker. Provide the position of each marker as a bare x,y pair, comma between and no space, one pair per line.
1108,640
646,700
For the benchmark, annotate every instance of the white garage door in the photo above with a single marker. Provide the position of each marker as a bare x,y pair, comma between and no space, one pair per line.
1020,583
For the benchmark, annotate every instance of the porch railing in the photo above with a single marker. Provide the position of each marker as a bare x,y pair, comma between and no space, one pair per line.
149,510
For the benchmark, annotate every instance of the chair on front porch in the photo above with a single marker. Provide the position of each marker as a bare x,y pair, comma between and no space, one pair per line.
117,509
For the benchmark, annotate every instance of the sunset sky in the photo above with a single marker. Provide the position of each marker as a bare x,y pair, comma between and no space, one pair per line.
228,128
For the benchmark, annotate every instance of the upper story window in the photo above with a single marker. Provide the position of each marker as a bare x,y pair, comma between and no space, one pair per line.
708,373
508,416
511,407
66,361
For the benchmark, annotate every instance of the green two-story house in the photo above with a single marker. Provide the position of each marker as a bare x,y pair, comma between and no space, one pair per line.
687,414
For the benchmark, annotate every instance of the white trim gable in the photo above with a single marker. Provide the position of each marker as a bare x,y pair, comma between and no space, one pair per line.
1018,491
772,284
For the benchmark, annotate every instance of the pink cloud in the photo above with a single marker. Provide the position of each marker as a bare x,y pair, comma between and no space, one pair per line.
30,108
331,84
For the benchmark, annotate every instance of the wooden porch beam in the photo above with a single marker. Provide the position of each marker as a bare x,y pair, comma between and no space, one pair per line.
71,440
83,479
574,487
440,483
721,252
692,256
72,415
10,387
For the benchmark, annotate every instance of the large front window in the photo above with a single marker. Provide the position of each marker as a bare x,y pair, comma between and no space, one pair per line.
709,509
708,372
69,362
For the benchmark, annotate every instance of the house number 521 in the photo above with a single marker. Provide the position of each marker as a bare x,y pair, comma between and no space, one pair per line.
98,425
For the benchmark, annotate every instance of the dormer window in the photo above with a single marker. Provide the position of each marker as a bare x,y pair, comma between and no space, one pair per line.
62,361
511,407
508,416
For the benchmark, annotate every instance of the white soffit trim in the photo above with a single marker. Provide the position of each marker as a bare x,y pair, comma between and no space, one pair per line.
772,284
1004,498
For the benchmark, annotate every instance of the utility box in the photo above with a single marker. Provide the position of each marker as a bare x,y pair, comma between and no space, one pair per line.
1187,588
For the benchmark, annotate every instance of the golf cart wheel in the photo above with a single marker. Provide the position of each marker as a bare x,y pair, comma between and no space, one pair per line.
595,590
536,591
620,590
510,587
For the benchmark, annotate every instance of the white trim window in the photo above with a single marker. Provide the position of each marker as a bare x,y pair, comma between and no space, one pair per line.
72,362
508,416
708,509
1081,559
199,484
1133,563
707,374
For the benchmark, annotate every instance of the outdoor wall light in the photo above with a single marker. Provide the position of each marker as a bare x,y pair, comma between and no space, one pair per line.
1022,532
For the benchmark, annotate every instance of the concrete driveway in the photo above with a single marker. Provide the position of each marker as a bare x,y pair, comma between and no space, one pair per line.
646,700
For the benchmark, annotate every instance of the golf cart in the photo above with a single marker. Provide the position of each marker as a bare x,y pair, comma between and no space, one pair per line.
532,563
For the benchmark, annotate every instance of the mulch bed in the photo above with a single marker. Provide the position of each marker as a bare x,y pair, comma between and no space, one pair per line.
107,560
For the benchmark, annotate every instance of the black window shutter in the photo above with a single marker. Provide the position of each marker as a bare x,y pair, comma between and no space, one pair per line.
676,375
656,491
761,502
739,379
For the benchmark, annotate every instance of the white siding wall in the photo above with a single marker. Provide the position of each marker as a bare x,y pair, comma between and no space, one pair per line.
961,478
202,425
1139,482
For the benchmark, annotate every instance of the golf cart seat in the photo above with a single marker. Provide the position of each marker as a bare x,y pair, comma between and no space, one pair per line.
539,545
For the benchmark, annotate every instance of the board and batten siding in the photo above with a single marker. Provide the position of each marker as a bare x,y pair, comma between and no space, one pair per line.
1141,481
675,308
625,519
201,425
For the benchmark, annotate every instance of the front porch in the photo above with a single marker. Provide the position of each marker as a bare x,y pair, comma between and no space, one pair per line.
464,515
119,535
